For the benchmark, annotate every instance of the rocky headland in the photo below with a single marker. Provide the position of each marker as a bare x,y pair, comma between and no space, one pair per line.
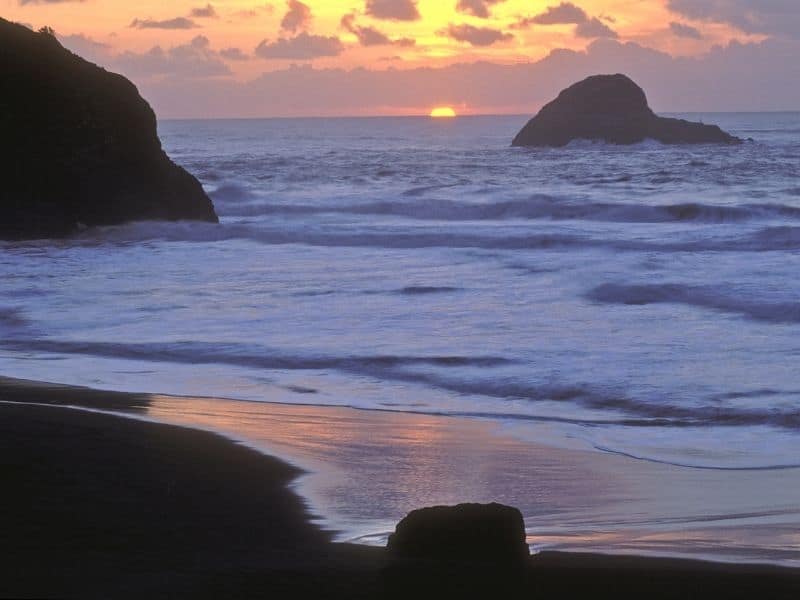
80,146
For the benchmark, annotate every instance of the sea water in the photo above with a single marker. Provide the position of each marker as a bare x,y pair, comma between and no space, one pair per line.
639,300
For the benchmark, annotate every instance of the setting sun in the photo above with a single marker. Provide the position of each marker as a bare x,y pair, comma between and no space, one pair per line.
443,112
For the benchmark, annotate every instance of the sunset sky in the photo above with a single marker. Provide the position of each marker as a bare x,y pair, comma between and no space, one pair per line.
364,57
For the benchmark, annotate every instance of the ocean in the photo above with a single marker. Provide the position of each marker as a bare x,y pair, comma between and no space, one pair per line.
640,301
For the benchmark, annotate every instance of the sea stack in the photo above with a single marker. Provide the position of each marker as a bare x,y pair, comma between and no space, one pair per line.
80,146
611,109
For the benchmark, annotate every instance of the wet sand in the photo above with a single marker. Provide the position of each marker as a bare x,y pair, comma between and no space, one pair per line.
368,469
102,506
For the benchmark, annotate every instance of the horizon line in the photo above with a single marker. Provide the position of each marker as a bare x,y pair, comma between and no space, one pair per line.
462,116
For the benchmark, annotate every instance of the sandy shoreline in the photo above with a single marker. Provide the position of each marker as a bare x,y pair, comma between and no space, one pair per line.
367,469
328,442
364,470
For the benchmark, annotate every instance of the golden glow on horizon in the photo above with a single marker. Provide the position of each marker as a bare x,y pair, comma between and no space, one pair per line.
443,112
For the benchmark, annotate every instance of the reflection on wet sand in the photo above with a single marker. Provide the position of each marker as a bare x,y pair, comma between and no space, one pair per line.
367,469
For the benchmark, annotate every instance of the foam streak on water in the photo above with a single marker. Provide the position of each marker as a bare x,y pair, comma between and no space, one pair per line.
641,301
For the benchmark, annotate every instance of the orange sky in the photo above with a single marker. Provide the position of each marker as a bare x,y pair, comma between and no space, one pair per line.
241,40
244,24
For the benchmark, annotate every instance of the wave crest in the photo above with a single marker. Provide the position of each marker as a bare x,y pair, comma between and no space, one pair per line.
438,372
700,296
236,202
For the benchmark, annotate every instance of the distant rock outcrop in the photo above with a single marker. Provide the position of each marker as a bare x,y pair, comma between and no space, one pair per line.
468,532
613,109
80,146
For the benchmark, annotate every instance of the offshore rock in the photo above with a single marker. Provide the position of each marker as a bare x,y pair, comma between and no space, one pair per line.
80,146
612,109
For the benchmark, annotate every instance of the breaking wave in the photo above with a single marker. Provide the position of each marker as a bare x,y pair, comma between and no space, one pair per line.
246,356
236,202
768,239
700,296
622,409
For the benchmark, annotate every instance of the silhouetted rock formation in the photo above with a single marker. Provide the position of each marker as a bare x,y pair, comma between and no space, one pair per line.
468,532
613,109
80,146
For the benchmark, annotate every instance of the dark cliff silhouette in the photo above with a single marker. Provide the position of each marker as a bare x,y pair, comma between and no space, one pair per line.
80,146
613,109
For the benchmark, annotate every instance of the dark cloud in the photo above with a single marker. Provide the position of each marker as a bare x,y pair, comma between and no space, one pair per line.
476,36
176,23
395,10
300,47
204,12
195,59
771,17
685,31
86,47
594,28
477,8
370,36
233,54
254,12
298,16
565,13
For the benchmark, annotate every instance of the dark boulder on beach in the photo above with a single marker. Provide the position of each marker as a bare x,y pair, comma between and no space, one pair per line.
80,146
481,533
612,109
